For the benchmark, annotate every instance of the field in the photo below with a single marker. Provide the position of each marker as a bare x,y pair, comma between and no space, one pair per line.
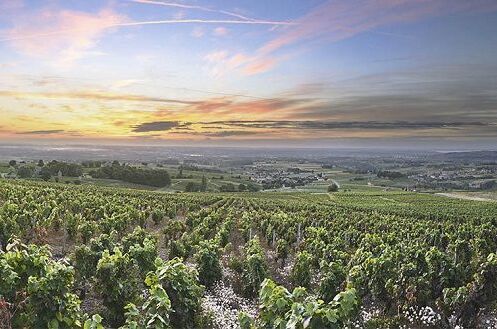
91,256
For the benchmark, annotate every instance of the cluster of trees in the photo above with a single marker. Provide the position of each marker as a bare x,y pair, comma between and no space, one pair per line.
67,169
230,187
92,164
288,182
390,174
151,177
48,169
197,187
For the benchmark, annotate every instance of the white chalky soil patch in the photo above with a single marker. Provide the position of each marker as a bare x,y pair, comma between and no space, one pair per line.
225,305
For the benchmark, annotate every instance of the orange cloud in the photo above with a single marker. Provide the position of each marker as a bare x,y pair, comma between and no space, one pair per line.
260,66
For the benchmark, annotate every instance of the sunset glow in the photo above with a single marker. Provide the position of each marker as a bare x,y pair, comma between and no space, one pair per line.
248,71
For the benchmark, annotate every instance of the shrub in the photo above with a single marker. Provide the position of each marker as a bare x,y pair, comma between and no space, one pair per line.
254,267
209,267
333,187
302,269
118,283
281,309
182,286
35,291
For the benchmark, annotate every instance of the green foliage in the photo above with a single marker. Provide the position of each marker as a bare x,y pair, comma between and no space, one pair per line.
173,229
95,322
481,290
208,265
87,229
246,322
177,249
71,223
158,216
332,276
66,169
229,187
144,254
302,269
45,174
25,172
151,177
142,247
281,309
282,249
37,289
397,249
118,282
181,285
255,268
333,187
154,313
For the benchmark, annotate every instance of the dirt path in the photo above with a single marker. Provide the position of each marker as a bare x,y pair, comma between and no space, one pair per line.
465,197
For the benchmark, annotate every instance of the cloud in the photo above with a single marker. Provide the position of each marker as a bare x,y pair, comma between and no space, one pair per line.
375,125
69,34
260,66
197,32
231,107
155,126
221,133
72,34
201,8
338,20
220,31
230,133
41,132
89,95
120,84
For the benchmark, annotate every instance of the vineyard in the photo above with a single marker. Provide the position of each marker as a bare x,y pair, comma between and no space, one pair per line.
96,257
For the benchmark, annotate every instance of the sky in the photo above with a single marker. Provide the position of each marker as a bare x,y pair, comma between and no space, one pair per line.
249,72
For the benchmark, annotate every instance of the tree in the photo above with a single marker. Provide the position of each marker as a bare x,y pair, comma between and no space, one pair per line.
40,163
230,187
151,177
193,187
242,187
12,163
45,174
25,172
333,187
203,185
253,188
